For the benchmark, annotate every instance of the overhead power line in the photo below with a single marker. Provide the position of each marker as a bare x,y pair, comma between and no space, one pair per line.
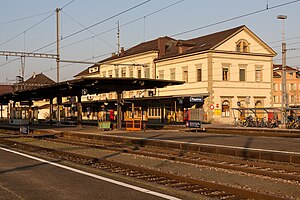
94,34
67,4
238,17
24,18
109,18
112,29
27,29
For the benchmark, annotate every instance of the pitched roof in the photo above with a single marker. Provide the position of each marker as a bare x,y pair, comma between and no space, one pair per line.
203,43
39,79
151,45
172,46
288,68
83,73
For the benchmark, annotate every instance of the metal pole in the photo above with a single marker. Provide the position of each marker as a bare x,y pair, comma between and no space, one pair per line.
284,102
119,111
57,62
57,41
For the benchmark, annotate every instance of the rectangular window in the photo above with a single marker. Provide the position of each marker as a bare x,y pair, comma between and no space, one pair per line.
258,74
242,74
147,71
123,72
139,73
274,99
292,98
225,73
199,74
104,74
293,86
110,73
117,71
130,71
274,86
172,74
185,76
161,74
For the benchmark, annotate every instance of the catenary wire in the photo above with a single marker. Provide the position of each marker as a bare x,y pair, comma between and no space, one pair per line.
24,18
237,17
31,27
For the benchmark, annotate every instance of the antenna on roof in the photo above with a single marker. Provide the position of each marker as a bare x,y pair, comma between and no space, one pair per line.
118,36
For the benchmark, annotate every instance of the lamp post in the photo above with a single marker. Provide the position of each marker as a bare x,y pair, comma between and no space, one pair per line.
284,102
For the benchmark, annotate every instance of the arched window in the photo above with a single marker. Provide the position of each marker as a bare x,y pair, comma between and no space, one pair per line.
225,109
259,113
243,46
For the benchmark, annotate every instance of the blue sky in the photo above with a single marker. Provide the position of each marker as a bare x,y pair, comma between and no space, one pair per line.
180,16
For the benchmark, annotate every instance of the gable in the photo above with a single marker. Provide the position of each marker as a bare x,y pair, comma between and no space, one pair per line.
256,45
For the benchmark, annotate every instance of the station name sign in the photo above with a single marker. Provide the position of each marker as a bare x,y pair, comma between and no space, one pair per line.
196,99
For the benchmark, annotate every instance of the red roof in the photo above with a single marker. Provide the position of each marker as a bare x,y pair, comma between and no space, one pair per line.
6,89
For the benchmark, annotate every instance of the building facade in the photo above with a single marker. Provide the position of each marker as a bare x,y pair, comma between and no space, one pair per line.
230,68
292,86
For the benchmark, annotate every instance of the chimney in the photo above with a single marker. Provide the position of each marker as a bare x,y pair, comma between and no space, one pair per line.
122,51
161,43
33,75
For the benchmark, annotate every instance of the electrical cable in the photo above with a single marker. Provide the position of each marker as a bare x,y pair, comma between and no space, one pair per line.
67,4
109,18
238,17
27,29
94,35
24,18
152,13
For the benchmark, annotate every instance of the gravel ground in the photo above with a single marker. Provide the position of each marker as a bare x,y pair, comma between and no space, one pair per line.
289,189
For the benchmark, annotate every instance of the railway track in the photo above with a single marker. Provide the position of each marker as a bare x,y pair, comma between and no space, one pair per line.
257,168
197,186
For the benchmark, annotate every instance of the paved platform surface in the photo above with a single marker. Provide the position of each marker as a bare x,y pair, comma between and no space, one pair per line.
24,178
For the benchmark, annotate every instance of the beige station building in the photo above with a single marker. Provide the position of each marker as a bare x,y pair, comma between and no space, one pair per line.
221,69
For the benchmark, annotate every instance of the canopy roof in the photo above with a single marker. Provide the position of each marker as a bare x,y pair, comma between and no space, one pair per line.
90,85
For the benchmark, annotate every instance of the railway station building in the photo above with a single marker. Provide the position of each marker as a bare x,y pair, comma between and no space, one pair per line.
222,70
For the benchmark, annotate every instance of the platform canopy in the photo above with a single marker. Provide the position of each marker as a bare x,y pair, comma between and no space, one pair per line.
86,85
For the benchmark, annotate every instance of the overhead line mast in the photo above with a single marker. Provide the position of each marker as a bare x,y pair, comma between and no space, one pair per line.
57,42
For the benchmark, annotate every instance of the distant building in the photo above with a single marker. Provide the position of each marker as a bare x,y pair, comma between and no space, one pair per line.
4,88
36,80
292,86
231,68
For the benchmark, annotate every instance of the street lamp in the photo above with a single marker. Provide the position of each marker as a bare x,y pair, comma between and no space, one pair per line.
284,102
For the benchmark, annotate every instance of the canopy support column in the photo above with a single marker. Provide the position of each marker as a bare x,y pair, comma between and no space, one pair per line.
51,111
119,110
79,112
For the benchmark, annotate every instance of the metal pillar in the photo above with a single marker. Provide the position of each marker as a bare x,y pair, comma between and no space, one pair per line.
284,103
30,114
51,111
1,112
79,112
59,102
119,111
57,42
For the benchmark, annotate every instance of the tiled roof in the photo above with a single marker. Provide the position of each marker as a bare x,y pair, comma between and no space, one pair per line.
39,79
203,43
172,46
6,89
141,48
83,73
288,68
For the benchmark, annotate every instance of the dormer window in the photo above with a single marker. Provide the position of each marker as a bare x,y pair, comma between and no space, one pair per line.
93,69
243,46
